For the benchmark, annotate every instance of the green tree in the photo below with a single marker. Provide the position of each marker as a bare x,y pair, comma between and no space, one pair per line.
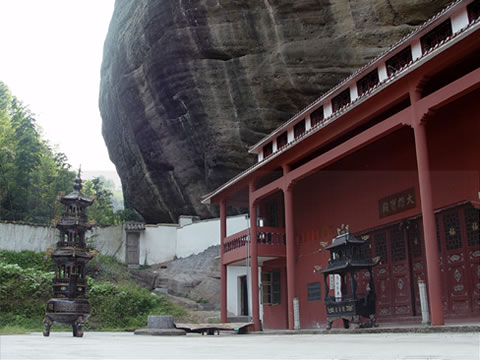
31,173
102,210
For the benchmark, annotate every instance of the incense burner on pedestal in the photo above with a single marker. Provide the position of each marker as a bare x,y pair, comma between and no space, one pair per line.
70,304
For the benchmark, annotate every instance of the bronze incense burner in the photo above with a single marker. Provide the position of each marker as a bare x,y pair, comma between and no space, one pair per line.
70,304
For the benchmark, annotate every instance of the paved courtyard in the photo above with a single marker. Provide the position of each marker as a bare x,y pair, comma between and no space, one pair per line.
95,345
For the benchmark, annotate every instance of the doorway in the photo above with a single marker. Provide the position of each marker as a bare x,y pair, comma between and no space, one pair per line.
243,295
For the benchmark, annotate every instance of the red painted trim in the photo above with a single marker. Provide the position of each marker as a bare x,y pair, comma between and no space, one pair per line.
361,140
254,262
223,268
448,94
290,235
268,189
428,218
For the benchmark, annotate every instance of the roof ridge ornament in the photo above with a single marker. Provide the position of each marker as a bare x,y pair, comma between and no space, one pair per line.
78,180
344,229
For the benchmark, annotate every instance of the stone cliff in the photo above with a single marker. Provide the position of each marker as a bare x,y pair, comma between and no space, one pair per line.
188,85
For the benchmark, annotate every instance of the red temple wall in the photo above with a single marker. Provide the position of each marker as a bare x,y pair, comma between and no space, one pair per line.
349,191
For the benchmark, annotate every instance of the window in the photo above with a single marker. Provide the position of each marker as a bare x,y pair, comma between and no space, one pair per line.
271,294
451,227
299,129
267,149
272,213
282,140
314,291
367,82
434,37
341,99
317,116
398,61
473,10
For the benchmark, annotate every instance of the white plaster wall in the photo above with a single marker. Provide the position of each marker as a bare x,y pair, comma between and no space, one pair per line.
459,21
416,50
18,237
157,243
15,237
195,238
109,241
233,290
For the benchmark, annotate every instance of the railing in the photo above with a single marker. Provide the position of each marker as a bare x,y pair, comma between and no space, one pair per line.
71,244
265,235
235,241
271,236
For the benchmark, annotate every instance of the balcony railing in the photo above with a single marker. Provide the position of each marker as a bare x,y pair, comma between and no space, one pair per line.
236,241
265,236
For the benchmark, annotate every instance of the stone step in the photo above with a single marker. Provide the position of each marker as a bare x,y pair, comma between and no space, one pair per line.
238,319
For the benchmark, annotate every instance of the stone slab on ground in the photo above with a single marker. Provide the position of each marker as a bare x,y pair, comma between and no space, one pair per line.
212,328
160,332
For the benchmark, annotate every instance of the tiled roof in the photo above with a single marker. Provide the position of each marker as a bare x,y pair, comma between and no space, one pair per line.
359,71
134,226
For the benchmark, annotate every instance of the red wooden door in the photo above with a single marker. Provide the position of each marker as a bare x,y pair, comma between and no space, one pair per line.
401,287
382,274
418,268
472,232
457,264
392,275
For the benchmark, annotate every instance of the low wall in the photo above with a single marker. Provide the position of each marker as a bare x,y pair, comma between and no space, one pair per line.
19,237
16,237
200,235
157,243
110,241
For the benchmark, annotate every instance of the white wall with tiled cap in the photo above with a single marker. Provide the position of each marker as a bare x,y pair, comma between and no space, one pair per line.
157,243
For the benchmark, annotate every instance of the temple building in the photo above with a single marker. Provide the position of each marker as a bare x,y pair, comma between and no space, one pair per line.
393,151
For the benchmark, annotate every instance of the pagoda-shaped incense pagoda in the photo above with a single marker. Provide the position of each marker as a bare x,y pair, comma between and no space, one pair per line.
70,305
349,262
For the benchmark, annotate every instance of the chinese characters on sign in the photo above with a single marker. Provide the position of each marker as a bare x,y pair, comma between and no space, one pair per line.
396,203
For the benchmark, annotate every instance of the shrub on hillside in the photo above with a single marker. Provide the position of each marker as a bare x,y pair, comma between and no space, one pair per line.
25,287
23,294
125,305
28,260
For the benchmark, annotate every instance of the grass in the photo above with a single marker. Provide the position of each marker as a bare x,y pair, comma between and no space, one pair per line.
118,304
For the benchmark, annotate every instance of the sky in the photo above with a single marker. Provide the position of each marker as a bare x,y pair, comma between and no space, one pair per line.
50,58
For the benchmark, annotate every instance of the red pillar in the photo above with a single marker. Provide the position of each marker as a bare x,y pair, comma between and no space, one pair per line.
428,216
290,239
254,261
223,268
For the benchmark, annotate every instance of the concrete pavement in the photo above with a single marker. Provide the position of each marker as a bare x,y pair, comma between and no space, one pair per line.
96,345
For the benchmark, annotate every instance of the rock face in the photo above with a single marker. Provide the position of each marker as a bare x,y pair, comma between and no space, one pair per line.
196,277
188,85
